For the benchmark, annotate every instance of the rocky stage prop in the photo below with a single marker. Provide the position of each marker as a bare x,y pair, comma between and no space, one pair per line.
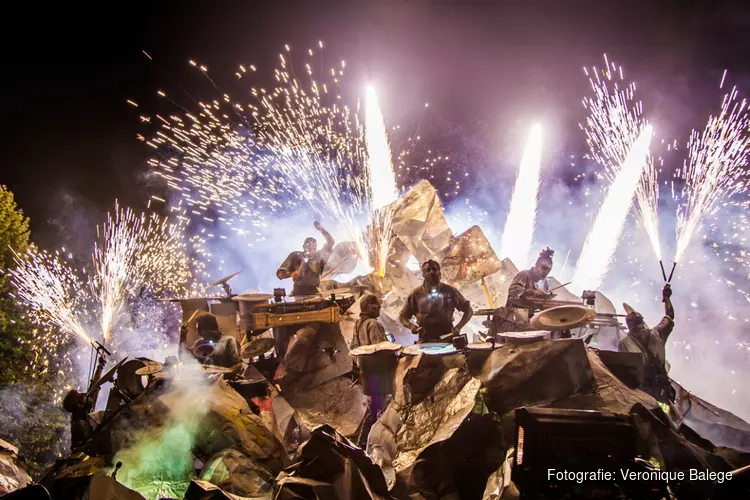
330,467
419,223
12,475
719,426
469,258
316,354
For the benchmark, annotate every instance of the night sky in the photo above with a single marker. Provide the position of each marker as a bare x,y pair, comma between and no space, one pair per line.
69,138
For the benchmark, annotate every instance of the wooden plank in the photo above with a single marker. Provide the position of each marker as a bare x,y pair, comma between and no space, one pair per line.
270,320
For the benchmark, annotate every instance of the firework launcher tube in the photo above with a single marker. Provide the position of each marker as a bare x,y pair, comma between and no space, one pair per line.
669,280
664,274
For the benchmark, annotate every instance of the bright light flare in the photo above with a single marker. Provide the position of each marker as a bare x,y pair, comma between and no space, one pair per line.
519,227
381,183
381,179
598,251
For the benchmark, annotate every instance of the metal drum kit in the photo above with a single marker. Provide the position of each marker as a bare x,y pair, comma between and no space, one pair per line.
247,316
561,318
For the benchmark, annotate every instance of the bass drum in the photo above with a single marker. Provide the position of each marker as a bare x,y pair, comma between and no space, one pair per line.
128,381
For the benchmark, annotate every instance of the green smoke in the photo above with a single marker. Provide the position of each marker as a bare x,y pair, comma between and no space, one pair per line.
160,465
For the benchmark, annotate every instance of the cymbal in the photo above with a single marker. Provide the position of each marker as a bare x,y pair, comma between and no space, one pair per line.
224,279
150,369
259,346
215,369
562,318
253,297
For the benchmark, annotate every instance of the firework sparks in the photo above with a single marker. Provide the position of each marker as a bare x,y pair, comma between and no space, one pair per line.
50,289
318,148
519,228
381,181
236,162
714,168
614,123
601,242
135,252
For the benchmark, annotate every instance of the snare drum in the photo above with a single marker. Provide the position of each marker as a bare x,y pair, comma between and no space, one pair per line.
430,349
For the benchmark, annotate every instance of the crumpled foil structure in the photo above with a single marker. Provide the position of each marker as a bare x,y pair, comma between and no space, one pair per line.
12,475
328,466
419,223
469,258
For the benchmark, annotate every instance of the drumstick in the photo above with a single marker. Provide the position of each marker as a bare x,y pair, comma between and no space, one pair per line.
191,317
560,286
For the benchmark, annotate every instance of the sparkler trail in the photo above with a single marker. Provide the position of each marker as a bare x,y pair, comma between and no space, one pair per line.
238,162
135,252
714,168
601,242
50,289
381,182
614,123
316,147
519,228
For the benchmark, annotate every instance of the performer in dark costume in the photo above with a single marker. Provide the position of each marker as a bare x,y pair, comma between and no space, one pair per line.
226,349
368,331
519,308
306,267
433,303
651,342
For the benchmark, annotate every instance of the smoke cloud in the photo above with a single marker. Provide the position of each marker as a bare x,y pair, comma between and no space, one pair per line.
160,463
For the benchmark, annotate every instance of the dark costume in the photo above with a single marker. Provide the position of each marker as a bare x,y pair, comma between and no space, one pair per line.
226,352
368,331
306,267
651,342
518,309
311,269
79,407
434,309
226,349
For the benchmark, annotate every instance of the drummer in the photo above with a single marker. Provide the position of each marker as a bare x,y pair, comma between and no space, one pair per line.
306,267
367,329
226,349
433,304
524,291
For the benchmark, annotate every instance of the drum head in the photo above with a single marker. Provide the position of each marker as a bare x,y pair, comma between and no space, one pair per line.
150,369
430,349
